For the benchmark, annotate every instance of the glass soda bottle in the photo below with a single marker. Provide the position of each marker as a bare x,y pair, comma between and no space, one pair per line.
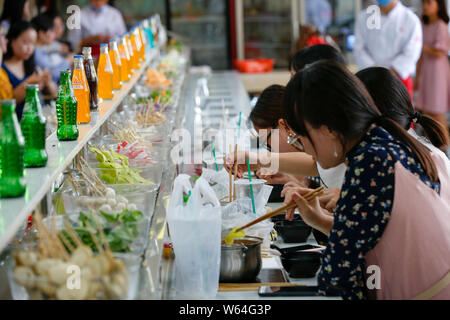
33,126
81,90
143,42
12,147
116,64
66,110
91,76
131,51
136,43
105,74
124,60
149,34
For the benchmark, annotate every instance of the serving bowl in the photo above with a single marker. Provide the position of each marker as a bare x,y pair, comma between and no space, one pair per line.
301,264
293,231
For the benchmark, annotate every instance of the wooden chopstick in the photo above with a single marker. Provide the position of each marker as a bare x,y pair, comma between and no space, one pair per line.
308,197
235,168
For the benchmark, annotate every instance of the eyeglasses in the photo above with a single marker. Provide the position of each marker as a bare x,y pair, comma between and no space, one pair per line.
265,144
294,140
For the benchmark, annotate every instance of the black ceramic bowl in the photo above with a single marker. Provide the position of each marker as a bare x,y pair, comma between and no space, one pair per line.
275,196
282,217
293,231
321,238
301,264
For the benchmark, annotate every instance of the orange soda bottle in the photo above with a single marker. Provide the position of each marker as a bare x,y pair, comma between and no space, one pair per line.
143,42
105,74
124,60
81,90
136,49
131,53
116,64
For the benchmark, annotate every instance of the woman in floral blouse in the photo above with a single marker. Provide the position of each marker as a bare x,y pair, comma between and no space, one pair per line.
337,122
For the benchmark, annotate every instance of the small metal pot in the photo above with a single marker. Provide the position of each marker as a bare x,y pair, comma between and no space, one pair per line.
241,262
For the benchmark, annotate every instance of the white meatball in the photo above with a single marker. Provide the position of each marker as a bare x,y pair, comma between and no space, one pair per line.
132,207
106,208
110,193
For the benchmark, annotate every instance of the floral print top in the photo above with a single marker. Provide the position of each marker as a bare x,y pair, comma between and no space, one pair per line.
363,211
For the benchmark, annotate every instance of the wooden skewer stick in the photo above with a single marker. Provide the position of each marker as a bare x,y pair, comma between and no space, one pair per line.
308,197
235,172
73,234
230,173
66,242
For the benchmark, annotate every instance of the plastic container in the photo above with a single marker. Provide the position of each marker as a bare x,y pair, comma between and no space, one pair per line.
135,234
254,65
138,197
243,187
148,177
29,292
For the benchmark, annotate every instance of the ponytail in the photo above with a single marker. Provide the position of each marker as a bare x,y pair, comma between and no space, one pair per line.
420,151
433,130
393,101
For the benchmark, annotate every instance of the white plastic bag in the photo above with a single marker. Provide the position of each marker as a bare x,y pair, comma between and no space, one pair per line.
195,231
219,181
240,213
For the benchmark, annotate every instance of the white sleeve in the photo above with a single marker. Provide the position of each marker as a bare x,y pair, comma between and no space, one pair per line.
363,58
120,27
74,37
405,63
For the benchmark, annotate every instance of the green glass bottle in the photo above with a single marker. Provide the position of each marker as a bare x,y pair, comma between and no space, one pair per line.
12,146
33,129
66,110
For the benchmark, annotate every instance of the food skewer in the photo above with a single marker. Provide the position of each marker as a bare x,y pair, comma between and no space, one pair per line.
230,173
308,197
235,168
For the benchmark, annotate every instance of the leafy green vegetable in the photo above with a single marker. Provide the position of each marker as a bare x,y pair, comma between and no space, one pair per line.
120,229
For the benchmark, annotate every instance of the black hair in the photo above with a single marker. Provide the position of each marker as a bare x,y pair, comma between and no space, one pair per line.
268,109
42,23
442,13
393,100
328,94
13,10
14,32
315,53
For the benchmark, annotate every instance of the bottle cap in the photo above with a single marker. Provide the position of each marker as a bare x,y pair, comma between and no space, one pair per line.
78,57
8,102
87,50
103,45
32,86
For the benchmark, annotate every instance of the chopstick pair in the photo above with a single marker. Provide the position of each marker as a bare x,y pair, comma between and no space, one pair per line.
308,197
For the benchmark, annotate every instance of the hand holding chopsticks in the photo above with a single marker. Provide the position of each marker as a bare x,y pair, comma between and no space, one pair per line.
308,197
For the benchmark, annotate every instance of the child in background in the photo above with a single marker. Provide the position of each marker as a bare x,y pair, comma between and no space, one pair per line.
6,90
46,36
19,64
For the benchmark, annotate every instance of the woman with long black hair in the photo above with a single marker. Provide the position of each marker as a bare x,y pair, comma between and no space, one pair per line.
395,199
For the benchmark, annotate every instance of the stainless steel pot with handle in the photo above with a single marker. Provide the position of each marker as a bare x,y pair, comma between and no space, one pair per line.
241,262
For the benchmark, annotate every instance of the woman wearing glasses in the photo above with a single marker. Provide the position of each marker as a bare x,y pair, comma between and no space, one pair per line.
269,128
395,199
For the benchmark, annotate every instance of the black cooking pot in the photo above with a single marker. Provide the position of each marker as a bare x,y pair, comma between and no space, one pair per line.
301,264
293,231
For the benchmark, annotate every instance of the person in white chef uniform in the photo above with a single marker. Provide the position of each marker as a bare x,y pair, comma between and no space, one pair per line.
99,23
392,40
